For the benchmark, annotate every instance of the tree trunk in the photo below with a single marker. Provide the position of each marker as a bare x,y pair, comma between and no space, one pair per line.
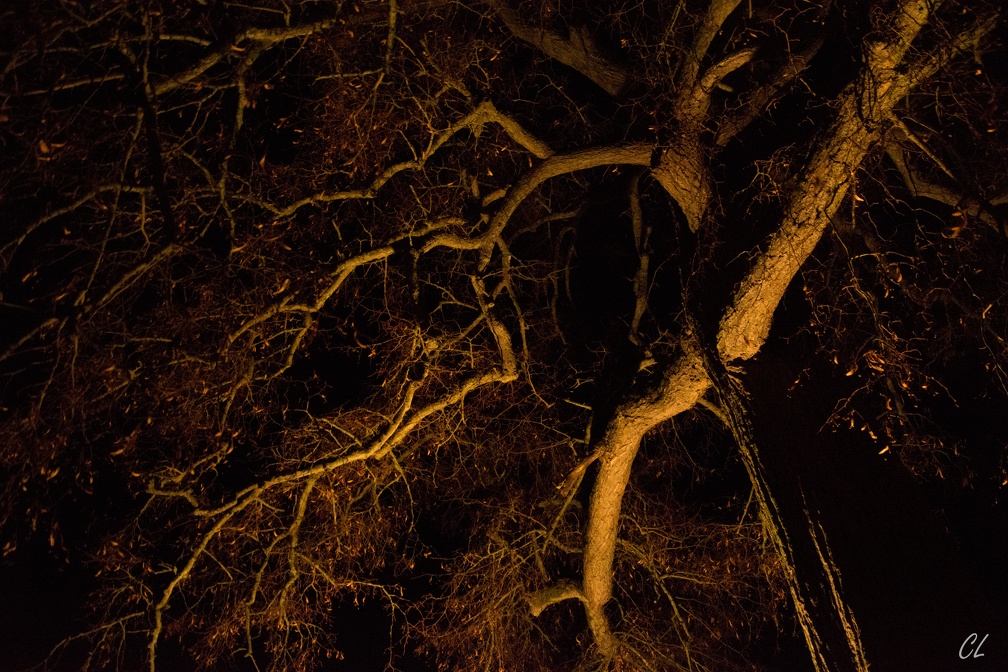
816,194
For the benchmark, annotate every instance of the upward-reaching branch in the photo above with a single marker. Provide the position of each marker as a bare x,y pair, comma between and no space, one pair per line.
717,13
863,112
746,323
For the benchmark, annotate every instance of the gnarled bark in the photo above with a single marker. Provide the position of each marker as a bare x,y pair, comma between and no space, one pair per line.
862,112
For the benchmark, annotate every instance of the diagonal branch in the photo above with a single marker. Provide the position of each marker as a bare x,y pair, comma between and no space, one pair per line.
717,13
484,113
759,99
578,51
262,36
634,154
746,323
405,422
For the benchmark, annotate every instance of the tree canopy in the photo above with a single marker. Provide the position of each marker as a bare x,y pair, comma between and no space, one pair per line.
445,307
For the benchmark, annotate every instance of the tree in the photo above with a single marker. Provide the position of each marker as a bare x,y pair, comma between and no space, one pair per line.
333,302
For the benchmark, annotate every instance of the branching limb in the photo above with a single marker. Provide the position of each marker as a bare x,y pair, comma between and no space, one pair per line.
338,277
717,13
746,324
40,329
558,592
293,532
162,605
637,154
405,422
485,113
935,59
693,104
262,36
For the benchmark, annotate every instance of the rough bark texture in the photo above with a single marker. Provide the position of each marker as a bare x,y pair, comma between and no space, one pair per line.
862,113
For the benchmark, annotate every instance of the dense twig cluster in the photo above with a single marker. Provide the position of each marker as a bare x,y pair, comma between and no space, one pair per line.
314,296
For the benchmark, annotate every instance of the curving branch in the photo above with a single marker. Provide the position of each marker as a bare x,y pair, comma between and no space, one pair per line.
746,322
406,421
554,166
634,154
483,114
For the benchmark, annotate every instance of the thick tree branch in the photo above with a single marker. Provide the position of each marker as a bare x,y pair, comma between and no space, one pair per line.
684,173
558,592
746,323
578,51
717,13
865,109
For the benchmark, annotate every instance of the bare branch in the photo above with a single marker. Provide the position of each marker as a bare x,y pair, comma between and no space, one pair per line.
637,154
693,107
746,324
578,51
717,13
683,172
484,113
863,112
967,207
